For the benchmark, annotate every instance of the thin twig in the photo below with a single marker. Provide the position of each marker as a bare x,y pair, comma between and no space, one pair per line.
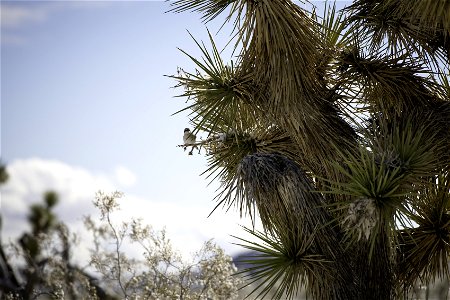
118,244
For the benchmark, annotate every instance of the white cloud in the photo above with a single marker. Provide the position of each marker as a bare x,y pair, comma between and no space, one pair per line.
30,179
124,176
187,225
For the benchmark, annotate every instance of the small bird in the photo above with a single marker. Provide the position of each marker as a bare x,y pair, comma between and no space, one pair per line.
189,139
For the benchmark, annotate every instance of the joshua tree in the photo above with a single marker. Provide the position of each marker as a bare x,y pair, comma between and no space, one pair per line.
334,130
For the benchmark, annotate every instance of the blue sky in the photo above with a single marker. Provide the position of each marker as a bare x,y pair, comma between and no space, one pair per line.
86,106
85,85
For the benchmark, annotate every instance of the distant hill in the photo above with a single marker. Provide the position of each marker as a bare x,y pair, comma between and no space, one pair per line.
240,259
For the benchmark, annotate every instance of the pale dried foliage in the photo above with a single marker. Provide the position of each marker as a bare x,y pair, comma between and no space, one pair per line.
160,272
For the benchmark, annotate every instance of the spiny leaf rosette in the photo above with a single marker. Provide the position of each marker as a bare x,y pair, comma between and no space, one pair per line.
291,214
334,131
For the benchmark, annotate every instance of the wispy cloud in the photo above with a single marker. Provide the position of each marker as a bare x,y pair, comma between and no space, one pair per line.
22,15
15,16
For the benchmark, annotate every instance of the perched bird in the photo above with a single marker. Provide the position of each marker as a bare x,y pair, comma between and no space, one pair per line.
189,139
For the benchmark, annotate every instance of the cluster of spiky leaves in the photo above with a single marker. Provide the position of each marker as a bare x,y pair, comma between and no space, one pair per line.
222,94
388,84
281,45
406,26
293,217
283,263
278,39
333,143
424,249
394,163
228,154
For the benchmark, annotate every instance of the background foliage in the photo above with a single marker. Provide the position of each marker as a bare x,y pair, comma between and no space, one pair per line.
42,264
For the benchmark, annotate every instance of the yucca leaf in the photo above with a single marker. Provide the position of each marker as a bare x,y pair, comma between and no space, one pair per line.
424,250
209,9
408,26
222,95
280,266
